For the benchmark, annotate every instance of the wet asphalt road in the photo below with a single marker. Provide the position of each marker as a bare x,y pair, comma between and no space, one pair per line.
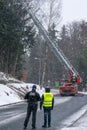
12,117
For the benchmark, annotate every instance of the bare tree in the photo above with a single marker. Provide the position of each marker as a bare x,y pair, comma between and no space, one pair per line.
51,14
48,13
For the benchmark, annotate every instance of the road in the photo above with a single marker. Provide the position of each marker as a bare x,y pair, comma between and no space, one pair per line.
12,117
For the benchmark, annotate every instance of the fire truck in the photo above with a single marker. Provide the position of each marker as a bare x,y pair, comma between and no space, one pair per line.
67,88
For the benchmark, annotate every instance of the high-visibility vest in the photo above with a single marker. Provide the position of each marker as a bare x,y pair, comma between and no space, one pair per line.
47,99
74,79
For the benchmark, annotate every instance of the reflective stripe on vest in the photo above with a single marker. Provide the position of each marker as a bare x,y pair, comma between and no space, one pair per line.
48,99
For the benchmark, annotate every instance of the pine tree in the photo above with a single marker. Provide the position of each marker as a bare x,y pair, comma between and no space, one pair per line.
16,35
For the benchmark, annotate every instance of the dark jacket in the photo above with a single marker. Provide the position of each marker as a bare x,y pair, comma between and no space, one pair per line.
32,97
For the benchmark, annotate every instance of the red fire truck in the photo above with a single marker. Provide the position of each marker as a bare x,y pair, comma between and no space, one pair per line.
68,88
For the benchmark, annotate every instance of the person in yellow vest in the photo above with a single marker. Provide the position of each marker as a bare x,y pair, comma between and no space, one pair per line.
47,101
74,79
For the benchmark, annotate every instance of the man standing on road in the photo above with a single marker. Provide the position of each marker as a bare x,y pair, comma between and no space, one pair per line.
47,101
32,98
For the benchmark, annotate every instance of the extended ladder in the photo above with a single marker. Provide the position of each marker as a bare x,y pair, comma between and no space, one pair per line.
56,50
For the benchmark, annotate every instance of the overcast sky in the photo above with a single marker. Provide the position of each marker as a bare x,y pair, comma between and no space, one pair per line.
74,10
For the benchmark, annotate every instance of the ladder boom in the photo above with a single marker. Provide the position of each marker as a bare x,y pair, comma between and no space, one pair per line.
56,50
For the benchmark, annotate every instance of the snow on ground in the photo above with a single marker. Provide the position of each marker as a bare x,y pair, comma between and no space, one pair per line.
77,121
7,78
10,93
7,95
15,92
26,87
79,116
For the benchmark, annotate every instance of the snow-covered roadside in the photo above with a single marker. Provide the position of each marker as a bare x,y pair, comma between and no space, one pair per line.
7,95
14,92
78,121
10,94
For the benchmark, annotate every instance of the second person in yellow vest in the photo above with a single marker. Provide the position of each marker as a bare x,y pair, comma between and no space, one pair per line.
47,101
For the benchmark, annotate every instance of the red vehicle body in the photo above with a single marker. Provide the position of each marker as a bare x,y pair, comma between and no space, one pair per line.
68,89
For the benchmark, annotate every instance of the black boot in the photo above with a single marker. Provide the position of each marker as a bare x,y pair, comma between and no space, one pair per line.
44,126
33,127
49,126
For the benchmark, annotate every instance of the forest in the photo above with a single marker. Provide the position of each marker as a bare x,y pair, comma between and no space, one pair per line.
24,53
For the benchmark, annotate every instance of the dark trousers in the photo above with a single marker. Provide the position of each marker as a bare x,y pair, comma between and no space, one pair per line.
47,117
31,109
